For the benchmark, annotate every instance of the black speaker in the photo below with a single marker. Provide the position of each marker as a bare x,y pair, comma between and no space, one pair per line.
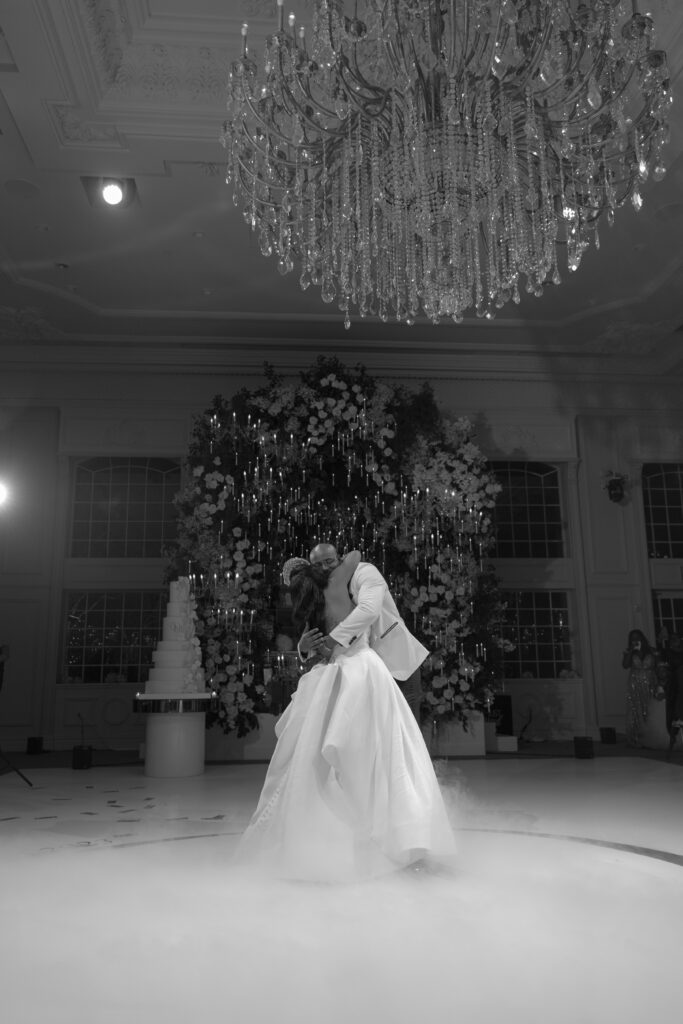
501,712
81,757
34,744
608,735
583,746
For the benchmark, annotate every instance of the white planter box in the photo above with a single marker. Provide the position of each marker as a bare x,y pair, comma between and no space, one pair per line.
255,746
449,739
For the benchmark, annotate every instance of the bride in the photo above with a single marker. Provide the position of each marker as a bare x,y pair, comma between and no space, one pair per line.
350,791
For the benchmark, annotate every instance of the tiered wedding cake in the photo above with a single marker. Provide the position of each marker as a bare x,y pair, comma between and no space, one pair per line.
177,659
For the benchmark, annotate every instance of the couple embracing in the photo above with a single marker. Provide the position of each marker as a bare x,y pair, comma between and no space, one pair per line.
350,791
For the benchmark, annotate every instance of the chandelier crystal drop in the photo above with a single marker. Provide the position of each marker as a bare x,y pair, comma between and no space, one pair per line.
418,157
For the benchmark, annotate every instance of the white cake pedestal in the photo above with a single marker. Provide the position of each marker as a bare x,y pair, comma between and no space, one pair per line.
176,732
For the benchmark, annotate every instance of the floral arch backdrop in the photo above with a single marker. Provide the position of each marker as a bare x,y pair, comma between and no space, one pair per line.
344,458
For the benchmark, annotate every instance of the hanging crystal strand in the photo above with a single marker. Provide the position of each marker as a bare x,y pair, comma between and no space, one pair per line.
323,238
376,192
353,244
457,229
556,201
298,238
340,241
417,229
610,195
518,237
350,251
490,207
367,199
402,229
383,264
548,220
474,267
361,240
532,135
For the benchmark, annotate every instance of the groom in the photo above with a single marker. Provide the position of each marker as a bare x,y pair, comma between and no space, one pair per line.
375,609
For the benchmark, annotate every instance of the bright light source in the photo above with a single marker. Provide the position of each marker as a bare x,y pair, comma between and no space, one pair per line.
112,193
4,493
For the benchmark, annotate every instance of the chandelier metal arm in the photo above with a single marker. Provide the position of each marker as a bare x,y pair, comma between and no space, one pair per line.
533,64
375,98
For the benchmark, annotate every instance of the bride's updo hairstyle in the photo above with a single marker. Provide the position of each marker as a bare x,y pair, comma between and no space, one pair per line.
307,585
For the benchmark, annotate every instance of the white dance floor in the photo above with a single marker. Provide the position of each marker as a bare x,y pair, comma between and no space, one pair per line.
119,903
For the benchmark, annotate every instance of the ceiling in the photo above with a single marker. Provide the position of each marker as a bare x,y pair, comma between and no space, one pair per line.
135,88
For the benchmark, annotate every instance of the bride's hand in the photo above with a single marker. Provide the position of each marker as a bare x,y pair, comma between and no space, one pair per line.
311,641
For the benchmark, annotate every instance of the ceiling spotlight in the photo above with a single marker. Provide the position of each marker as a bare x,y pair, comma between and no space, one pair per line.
108,192
4,493
112,193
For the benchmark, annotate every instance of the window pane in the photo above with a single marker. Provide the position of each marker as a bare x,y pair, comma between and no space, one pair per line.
123,508
668,609
109,636
663,505
538,624
527,519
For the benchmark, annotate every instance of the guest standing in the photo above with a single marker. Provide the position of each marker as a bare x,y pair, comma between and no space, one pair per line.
639,658
674,688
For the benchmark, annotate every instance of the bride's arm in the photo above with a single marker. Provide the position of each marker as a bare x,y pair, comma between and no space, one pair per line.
339,583
346,568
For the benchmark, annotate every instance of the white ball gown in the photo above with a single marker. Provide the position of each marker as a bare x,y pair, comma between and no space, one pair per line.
350,791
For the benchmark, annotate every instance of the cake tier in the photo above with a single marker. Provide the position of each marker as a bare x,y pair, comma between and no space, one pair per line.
170,675
181,628
175,645
172,659
175,608
180,589
163,685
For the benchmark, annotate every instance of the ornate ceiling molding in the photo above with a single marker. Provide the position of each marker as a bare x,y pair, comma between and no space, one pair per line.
192,75
109,32
72,130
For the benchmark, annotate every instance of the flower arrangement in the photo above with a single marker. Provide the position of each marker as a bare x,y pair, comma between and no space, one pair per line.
342,458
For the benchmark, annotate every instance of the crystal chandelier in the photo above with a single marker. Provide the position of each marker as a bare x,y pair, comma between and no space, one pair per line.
418,156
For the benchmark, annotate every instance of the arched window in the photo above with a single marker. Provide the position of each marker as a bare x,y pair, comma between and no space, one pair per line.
527,520
123,507
663,504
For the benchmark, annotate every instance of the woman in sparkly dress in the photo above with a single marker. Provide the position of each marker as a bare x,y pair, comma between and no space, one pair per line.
641,685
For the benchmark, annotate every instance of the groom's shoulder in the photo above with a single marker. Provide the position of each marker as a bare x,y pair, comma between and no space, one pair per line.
367,569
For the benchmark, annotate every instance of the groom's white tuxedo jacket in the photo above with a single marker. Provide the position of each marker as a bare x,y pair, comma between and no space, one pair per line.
375,609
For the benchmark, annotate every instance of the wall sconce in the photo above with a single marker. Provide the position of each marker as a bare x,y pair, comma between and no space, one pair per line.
615,485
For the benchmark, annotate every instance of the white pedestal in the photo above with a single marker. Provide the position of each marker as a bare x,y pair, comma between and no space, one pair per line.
176,732
451,740
174,745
